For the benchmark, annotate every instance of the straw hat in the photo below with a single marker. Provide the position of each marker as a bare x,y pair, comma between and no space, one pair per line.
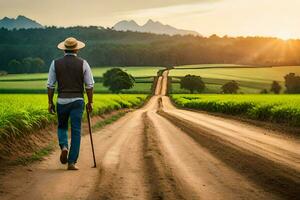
71,44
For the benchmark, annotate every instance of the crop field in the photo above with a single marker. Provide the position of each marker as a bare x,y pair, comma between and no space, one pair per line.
134,71
207,66
40,87
36,83
251,80
97,72
211,88
21,114
275,108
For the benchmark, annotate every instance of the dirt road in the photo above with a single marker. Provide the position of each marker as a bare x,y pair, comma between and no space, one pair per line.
161,152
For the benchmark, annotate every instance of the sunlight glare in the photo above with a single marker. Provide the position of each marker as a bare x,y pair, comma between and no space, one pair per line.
284,36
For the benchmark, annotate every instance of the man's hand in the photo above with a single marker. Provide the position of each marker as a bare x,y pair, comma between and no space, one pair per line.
89,107
51,108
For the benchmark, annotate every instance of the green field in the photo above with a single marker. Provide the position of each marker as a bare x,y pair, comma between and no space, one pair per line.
211,88
207,66
134,71
40,87
36,83
97,72
251,80
274,108
20,114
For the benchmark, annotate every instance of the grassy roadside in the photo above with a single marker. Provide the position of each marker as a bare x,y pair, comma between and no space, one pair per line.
109,120
282,109
27,130
278,113
22,114
36,156
46,150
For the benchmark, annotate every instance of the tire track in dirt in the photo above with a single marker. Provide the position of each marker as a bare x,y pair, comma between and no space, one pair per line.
272,163
273,177
265,142
162,184
50,180
122,173
197,173
125,171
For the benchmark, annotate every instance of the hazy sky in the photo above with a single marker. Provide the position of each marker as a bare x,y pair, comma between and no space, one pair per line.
232,17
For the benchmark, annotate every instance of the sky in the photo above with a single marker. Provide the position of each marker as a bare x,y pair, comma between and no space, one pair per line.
278,18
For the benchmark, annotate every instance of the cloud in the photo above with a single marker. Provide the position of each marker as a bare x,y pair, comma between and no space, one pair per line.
169,11
130,5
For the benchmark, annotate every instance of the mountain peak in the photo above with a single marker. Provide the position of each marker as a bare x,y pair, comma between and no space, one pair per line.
22,17
151,22
19,22
151,27
133,22
126,25
5,19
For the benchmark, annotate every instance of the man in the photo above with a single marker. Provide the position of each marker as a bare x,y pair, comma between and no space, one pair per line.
71,73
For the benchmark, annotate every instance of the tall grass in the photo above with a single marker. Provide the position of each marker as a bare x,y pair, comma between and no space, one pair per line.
274,108
21,114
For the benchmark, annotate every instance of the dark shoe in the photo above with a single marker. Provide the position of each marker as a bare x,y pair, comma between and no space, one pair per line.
72,167
64,156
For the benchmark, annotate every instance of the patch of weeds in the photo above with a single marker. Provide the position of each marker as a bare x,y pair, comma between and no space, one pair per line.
108,120
36,156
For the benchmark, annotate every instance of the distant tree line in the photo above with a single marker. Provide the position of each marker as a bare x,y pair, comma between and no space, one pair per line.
107,47
26,65
195,83
292,84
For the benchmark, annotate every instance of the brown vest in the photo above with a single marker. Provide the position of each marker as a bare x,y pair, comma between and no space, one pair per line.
69,76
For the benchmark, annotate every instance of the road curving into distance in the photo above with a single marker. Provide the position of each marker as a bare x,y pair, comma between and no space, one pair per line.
161,152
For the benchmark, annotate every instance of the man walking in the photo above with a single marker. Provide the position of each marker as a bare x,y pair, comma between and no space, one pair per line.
71,73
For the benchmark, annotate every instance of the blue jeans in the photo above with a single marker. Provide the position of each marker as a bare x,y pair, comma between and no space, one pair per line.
73,111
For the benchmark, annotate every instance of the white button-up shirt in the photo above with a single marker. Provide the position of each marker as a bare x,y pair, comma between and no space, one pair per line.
87,75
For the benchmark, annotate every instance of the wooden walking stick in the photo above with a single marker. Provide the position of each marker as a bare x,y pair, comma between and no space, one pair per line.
91,136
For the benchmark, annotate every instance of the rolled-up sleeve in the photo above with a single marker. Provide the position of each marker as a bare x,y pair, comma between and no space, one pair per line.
51,77
88,76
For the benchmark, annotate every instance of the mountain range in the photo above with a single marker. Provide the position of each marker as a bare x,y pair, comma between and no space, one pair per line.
18,23
151,27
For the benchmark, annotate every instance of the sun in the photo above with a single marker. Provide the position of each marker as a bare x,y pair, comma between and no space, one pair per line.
284,35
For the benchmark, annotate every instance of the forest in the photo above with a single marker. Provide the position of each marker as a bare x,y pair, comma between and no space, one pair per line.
107,47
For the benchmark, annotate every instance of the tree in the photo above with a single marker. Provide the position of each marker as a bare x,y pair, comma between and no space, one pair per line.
27,65
292,83
37,64
108,47
264,91
230,87
192,83
117,80
15,66
275,87
3,73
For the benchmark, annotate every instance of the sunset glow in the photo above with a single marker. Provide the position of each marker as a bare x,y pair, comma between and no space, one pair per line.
284,36
275,18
